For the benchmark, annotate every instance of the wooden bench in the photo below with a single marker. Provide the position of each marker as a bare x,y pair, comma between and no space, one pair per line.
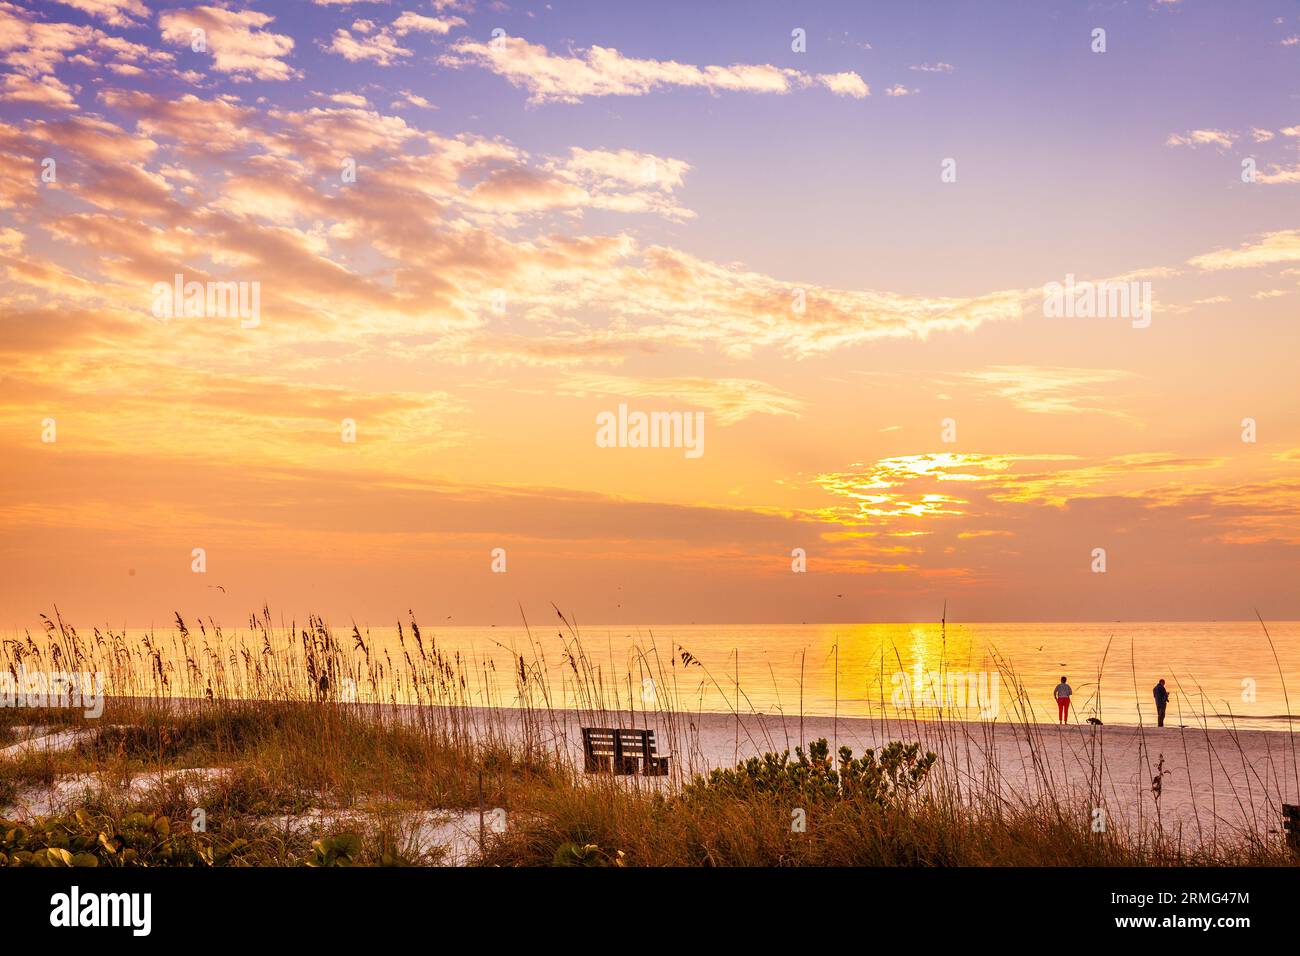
611,750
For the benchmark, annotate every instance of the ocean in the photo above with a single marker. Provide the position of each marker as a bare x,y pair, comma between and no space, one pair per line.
1220,674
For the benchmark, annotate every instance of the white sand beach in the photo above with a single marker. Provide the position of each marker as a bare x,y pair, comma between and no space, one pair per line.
1215,783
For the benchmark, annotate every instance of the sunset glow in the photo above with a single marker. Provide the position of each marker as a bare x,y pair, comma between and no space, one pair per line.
470,248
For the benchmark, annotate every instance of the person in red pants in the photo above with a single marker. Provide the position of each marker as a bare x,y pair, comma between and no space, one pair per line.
1063,692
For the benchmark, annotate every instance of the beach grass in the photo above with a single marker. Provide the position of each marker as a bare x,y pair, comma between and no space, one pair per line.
288,738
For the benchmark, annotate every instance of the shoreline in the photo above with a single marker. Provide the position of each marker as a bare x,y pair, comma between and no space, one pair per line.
1214,782
1215,787
1227,720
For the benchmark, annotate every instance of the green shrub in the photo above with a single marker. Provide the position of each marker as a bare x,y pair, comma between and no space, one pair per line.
342,849
885,779
137,839
574,854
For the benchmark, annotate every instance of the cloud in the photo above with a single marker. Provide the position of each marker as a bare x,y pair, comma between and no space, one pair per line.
118,13
520,189
382,46
416,249
933,67
194,124
624,180
34,47
410,22
354,100
628,167
956,484
1278,175
234,38
845,84
729,400
1051,390
602,71
47,91
1203,137
383,288
657,296
1269,249
412,99
899,90
94,140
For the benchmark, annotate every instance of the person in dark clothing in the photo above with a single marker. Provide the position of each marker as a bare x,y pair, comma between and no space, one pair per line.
1162,701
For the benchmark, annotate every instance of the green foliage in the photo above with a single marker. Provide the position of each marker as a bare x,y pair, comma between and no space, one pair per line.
147,839
81,839
574,854
342,849
136,839
886,778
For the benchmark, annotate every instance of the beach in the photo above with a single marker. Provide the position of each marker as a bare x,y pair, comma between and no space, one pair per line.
1214,783
1217,787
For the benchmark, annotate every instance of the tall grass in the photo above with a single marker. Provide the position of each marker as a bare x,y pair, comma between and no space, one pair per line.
300,718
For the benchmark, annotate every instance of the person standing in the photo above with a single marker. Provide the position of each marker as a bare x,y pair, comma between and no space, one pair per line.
1063,692
1161,695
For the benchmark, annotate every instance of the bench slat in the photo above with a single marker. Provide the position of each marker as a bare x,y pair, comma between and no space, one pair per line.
601,740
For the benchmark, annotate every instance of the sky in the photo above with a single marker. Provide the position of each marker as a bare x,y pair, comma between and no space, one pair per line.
468,232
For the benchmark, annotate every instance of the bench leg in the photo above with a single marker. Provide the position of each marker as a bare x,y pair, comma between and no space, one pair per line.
597,764
656,767
626,765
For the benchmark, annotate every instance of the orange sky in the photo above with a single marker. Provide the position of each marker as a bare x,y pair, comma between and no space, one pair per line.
525,247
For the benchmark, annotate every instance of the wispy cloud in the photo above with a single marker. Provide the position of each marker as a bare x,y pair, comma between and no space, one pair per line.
1203,137
381,45
1269,249
603,71
1052,390
730,400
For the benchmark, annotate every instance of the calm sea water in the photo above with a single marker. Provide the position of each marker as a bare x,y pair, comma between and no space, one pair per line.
1217,672
1220,673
